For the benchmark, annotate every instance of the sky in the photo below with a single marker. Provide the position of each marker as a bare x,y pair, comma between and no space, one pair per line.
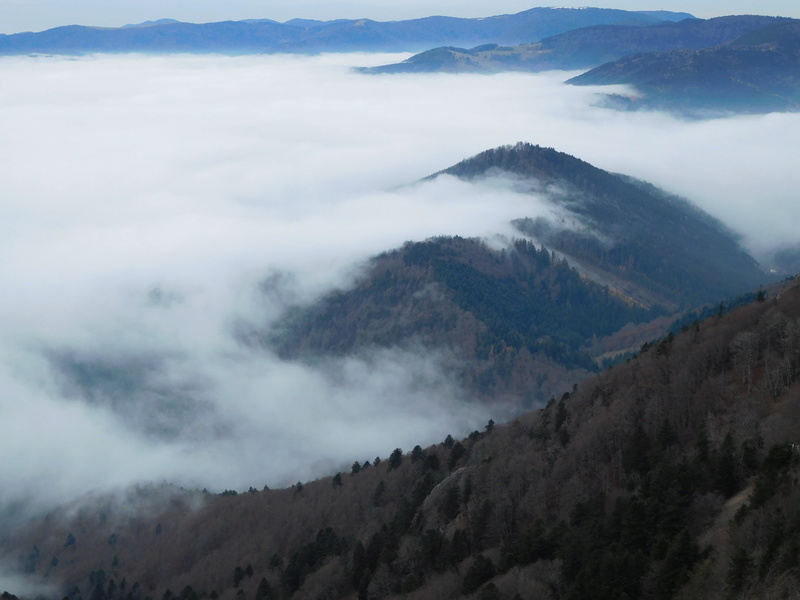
146,200
37,15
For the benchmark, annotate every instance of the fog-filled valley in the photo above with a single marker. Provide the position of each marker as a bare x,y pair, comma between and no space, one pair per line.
154,206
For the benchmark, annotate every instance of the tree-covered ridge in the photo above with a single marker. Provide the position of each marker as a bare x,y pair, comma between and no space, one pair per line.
756,73
518,320
523,318
630,229
535,301
676,475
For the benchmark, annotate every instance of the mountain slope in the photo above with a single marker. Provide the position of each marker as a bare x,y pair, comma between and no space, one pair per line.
582,48
756,73
521,324
661,244
673,476
516,323
314,36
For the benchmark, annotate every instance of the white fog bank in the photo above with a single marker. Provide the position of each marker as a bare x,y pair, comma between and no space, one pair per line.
144,198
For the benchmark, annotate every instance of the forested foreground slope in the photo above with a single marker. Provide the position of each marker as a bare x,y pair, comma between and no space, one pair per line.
672,476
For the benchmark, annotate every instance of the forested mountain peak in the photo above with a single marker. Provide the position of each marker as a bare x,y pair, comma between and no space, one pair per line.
517,323
524,320
660,242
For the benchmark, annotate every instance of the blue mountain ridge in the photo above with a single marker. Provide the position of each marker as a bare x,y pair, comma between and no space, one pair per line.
309,36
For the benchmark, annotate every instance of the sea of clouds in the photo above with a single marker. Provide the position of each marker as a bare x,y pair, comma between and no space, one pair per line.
143,199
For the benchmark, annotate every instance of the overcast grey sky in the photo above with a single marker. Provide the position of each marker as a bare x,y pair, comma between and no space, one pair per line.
36,15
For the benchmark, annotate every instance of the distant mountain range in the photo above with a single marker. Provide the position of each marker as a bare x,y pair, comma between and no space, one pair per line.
582,48
309,36
758,72
692,66
741,64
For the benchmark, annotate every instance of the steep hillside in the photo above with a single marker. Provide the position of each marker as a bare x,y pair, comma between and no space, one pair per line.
756,73
582,48
515,322
673,476
340,35
664,249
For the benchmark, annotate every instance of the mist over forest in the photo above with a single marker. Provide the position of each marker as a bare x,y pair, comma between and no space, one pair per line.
155,206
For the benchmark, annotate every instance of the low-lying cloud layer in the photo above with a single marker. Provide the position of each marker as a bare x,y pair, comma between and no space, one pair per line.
144,199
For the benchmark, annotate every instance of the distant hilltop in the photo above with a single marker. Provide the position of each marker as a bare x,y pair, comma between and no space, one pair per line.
152,23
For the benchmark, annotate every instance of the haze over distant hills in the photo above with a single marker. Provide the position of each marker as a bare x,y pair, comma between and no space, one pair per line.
582,48
715,66
309,36
698,68
757,72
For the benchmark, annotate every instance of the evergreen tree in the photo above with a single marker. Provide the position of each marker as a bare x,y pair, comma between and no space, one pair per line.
264,590
725,468
395,459
481,571
739,569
